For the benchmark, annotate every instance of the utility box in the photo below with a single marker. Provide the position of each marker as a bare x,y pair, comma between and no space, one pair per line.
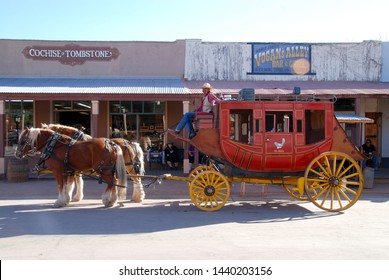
368,174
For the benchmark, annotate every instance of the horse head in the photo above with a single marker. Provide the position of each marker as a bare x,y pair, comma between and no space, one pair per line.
32,140
24,144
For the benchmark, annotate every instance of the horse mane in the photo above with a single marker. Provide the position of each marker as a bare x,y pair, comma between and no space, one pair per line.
57,126
54,125
33,135
139,149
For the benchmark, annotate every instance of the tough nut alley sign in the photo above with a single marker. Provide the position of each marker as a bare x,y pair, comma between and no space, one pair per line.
71,54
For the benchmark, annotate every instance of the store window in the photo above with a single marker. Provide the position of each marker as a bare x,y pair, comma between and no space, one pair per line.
141,119
18,115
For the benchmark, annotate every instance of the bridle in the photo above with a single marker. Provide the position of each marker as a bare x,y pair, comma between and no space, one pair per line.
19,153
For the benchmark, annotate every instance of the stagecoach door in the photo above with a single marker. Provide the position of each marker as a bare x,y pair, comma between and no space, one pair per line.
278,139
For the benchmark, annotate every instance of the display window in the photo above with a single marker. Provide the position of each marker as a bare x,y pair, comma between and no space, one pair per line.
18,115
143,120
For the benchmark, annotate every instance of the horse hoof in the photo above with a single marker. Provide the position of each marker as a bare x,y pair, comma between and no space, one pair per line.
58,204
137,199
77,199
109,204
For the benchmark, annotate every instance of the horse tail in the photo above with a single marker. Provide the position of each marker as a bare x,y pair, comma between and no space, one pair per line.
121,173
140,156
138,194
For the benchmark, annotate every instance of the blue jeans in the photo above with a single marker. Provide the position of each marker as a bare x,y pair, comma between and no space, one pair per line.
186,122
375,163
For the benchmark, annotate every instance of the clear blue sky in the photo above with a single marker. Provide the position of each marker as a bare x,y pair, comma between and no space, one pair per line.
208,20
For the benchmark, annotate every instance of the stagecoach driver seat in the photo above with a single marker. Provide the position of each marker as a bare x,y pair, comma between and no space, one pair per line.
208,101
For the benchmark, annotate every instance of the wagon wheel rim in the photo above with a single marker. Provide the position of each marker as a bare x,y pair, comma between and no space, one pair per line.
209,190
197,171
293,191
333,181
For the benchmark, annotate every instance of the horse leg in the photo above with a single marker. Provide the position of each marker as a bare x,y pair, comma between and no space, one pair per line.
114,178
138,194
70,185
79,188
122,193
63,194
110,195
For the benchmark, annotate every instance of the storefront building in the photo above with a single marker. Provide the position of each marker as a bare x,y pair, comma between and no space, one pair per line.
120,88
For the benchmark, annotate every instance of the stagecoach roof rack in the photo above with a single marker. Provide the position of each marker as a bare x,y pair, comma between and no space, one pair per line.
288,97
295,97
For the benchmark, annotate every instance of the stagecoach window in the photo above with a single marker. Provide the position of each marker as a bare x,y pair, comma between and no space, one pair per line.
279,121
314,126
241,126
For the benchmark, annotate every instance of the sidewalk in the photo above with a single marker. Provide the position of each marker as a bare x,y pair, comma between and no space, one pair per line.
382,175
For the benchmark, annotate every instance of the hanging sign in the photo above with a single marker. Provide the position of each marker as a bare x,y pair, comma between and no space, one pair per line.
71,54
281,59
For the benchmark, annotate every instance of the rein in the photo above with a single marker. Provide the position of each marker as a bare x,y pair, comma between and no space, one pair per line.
48,151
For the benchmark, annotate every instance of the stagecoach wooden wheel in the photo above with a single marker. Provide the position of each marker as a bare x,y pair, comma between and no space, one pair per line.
333,181
197,171
209,190
293,191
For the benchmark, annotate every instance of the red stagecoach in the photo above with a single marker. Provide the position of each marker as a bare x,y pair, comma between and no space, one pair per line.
292,141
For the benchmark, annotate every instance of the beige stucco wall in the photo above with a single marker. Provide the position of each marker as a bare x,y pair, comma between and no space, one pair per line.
163,59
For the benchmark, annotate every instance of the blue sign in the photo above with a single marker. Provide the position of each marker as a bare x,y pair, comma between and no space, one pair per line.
281,59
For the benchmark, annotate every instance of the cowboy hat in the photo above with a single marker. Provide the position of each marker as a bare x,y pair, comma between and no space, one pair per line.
206,85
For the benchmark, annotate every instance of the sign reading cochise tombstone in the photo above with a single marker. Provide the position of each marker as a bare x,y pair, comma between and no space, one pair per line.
281,59
71,54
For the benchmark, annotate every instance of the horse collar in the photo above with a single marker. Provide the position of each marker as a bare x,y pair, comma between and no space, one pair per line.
50,146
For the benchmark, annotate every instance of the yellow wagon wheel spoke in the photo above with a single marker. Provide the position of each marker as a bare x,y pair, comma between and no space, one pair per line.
209,190
294,191
197,171
333,181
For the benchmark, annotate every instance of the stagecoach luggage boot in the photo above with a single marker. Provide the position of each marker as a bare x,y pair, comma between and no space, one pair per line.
247,94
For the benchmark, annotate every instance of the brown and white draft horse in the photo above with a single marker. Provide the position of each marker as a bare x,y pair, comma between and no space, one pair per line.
65,156
133,157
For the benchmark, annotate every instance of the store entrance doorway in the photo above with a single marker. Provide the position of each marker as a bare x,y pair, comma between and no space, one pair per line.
76,119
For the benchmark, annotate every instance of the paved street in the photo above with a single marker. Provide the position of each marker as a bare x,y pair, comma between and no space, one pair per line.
167,226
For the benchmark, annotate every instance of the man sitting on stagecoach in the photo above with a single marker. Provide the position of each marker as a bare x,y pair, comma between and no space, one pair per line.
208,101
